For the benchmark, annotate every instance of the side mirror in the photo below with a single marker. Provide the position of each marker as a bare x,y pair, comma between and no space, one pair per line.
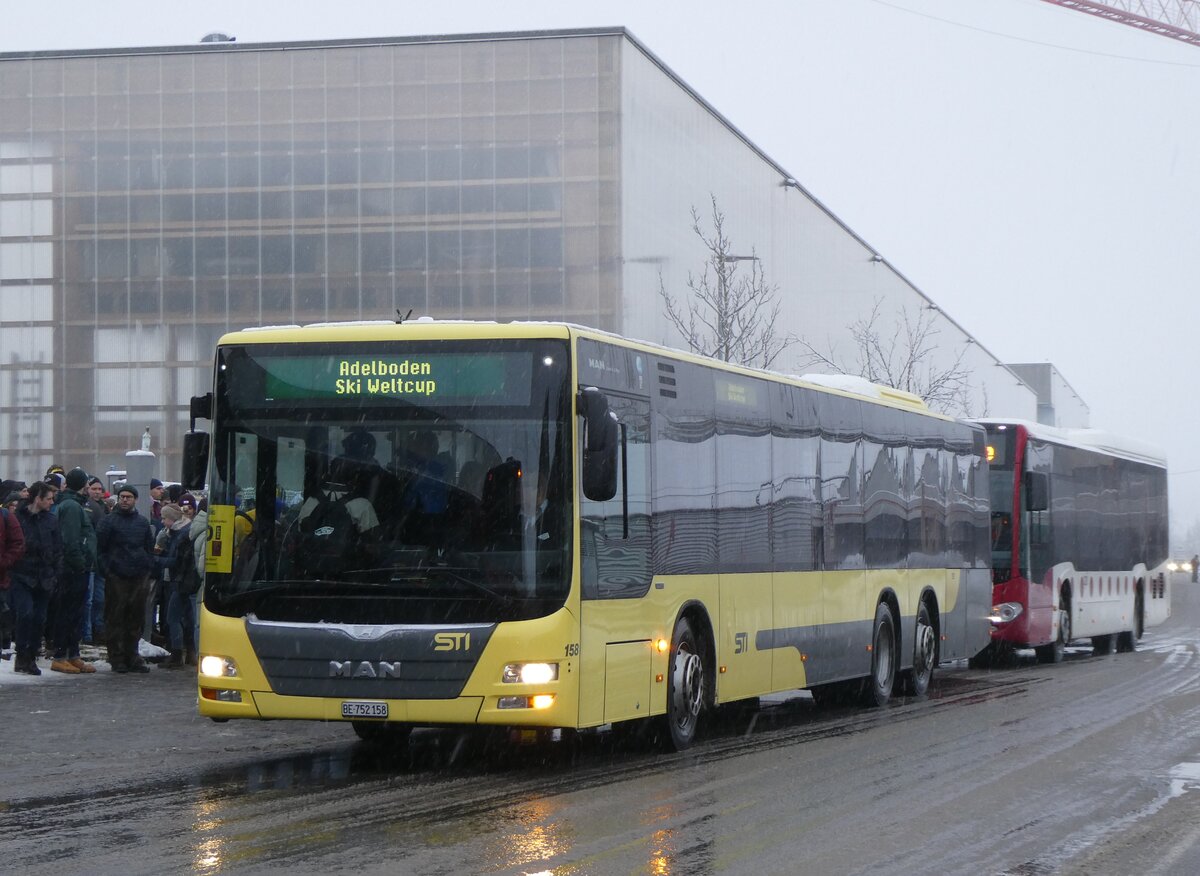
195,461
1037,491
599,445
201,408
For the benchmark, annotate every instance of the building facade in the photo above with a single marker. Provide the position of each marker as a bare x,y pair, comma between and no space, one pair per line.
152,199
1058,404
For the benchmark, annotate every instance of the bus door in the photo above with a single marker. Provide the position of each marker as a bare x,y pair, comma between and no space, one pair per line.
616,637
1037,549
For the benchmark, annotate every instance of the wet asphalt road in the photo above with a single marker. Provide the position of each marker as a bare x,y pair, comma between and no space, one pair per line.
1091,766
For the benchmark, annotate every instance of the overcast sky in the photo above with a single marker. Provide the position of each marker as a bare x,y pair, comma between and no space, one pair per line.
1034,170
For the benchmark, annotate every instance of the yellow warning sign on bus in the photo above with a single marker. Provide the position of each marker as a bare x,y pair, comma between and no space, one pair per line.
218,552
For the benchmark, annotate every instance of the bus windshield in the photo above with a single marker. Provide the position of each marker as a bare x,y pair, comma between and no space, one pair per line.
1001,442
384,483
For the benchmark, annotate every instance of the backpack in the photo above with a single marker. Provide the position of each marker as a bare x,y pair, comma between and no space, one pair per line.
184,576
328,539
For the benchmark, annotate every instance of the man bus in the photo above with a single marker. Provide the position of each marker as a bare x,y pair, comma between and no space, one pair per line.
565,529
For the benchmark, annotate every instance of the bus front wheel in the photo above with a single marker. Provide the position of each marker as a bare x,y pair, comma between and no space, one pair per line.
685,689
1056,650
1127,641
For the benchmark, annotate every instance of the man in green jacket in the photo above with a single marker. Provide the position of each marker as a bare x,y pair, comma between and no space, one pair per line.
79,559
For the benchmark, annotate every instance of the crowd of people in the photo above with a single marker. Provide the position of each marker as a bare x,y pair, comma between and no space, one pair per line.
79,565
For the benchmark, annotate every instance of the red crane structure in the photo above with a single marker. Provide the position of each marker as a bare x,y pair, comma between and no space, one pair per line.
1177,19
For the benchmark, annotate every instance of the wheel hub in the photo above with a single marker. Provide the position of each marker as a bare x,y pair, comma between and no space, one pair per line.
688,684
926,645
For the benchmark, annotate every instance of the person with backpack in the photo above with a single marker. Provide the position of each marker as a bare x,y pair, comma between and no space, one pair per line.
35,574
12,548
79,559
335,526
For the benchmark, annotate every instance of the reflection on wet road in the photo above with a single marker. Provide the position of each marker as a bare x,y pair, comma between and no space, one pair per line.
1020,769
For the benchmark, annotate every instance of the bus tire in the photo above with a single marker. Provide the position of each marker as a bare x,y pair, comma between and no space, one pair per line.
685,686
1055,651
382,733
1127,640
878,687
1102,645
925,654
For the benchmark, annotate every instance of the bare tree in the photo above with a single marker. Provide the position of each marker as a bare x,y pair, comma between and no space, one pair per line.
730,315
901,356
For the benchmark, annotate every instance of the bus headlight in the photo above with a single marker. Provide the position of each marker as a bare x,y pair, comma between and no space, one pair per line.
530,673
1005,612
1173,566
212,666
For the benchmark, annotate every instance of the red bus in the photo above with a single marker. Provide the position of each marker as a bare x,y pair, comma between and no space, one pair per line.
1079,539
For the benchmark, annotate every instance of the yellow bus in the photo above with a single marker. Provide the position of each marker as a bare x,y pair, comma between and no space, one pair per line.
538,525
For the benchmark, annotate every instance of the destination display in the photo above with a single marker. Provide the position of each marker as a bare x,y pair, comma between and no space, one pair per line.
488,378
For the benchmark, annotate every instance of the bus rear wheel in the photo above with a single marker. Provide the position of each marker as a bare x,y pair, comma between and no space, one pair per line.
1102,645
925,654
382,733
878,687
685,688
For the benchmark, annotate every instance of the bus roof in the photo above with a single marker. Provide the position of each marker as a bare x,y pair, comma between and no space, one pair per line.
426,327
1087,439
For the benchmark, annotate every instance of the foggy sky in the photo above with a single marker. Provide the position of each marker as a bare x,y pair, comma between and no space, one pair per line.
1033,170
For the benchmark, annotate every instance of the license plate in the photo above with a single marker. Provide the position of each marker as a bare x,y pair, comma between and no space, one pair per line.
364,710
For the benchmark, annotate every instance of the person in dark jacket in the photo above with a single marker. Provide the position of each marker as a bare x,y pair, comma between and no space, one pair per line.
12,548
35,575
126,557
79,559
93,606
179,625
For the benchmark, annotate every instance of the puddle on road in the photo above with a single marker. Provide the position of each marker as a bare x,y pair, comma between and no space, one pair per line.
1184,777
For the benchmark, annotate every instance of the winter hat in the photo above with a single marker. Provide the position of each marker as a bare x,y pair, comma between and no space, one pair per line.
128,488
171,513
55,480
155,482
76,479
55,469
187,500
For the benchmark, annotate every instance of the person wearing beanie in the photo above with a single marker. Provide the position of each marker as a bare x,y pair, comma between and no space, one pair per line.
126,558
79,559
156,492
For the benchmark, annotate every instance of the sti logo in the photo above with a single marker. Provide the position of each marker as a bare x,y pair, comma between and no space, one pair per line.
741,643
452,642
